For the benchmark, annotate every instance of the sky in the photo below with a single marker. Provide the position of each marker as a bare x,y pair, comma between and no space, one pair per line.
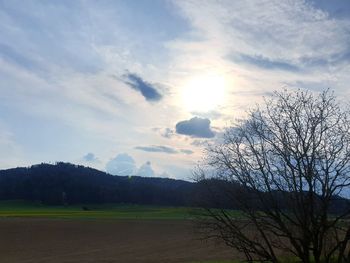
140,87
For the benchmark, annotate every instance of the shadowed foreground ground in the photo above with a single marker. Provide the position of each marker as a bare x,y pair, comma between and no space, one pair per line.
50,240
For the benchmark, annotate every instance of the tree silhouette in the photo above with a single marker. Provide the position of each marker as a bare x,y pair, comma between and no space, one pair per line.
291,157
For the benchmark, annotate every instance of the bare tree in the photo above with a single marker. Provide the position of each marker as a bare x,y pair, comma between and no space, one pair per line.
291,160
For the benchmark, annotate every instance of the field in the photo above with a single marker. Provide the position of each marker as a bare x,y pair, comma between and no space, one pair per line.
102,233
92,211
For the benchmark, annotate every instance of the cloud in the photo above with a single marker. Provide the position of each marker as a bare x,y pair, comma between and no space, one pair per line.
185,151
195,127
301,64
335,9
122,164
168,43
167,133
157,148
146,170
311,85
163,149
90,157
266,63
289,37
199,143
148,91
11,55
178,172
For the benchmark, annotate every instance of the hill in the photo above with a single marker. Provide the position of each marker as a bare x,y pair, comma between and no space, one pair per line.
71,184
66,183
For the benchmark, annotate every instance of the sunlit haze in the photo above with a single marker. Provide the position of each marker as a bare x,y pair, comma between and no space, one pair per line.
138,87
204,93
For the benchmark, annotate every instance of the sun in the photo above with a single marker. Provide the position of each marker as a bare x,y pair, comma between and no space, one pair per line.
204,93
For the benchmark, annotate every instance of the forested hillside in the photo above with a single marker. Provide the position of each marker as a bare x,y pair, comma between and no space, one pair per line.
65,183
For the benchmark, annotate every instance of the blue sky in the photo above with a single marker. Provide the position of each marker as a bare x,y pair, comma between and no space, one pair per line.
140,86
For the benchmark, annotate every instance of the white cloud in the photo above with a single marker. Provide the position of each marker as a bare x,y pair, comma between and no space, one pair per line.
146,170
279,29
90,158
122,164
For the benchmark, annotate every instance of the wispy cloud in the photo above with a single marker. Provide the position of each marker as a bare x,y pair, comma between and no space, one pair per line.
187,151
291,40
266,63
311,85
157,148
163,149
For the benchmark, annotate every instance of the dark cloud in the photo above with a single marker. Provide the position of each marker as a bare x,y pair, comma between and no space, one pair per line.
90,157
157,148
195,127
266,63
163,149
148,91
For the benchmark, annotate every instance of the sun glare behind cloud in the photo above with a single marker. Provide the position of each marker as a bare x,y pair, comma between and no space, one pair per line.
204,93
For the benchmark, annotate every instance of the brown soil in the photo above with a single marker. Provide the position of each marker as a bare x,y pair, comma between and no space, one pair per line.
50,240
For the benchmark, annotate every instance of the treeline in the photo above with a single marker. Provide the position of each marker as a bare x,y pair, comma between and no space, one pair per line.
65,183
